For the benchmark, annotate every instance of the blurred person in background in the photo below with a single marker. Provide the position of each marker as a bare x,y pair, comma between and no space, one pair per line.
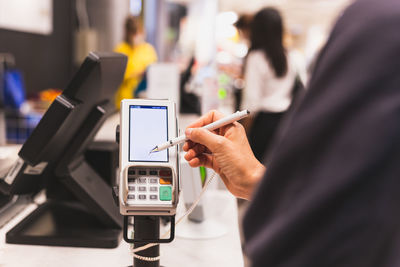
292,42
237,72
243,25
329,192
140,55
269,78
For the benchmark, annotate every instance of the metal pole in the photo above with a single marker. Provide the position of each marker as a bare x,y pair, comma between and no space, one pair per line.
147,227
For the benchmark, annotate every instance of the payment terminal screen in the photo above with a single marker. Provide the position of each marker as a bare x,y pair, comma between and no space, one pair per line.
148,127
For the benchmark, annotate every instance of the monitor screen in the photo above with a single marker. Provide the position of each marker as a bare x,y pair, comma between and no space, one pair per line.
70,123
148,127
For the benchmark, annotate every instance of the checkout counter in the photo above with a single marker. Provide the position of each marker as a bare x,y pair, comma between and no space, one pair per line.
221,251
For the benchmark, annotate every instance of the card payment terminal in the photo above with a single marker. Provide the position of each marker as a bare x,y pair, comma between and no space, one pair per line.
149,182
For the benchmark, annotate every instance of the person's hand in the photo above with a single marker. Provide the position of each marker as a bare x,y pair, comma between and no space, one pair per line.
225,150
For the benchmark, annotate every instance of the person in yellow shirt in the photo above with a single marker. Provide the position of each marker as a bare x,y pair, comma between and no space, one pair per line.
140,55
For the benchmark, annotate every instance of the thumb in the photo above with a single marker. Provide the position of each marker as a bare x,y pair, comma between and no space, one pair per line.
204,137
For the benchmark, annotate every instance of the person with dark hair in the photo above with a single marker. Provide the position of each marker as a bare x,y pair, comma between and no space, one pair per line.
140,55
243,26
329,192
269,78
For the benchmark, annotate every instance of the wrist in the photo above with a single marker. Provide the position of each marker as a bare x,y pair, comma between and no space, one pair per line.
254,175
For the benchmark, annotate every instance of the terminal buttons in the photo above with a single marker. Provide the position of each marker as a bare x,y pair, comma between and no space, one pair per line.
153,188
141,180
165,181
165,173
149,186
165,193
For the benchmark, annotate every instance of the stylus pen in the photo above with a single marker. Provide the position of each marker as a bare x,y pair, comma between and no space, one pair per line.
212,126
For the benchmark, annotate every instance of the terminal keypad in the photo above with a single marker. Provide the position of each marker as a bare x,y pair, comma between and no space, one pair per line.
149,186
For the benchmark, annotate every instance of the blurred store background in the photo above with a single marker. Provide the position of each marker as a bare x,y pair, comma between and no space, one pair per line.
198,60
42,42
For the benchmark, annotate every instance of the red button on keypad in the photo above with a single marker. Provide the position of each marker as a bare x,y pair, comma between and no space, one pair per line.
165,173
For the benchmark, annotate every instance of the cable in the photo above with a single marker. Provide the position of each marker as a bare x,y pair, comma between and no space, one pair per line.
143,258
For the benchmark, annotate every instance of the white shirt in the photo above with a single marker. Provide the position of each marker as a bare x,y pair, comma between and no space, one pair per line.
264,91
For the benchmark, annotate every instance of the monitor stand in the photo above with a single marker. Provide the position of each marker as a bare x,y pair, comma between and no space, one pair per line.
64,224
79,212
80,209
11,206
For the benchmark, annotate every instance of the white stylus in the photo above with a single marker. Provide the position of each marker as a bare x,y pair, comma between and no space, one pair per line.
212,126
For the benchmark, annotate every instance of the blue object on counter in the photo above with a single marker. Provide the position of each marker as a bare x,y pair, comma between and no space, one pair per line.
14,89
20,126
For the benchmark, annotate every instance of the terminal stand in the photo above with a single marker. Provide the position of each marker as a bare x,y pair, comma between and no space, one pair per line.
147,227
147,230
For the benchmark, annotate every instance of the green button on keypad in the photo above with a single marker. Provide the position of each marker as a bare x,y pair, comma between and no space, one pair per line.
165,193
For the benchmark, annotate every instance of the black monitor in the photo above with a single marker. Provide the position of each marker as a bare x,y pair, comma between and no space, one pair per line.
79,210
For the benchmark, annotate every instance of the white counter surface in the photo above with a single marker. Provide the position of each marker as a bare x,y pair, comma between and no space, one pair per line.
221,251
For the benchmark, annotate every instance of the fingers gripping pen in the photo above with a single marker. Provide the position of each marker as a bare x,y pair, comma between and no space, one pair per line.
212,126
